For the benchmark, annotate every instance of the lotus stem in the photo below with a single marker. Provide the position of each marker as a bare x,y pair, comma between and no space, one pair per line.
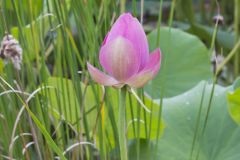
122,124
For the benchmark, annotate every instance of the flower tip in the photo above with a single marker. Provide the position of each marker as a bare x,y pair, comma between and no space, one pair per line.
158,50
126,16
90,67
105,39
158,58
101,77
88,64
159,53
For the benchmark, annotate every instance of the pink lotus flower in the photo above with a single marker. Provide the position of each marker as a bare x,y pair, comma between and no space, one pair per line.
125,56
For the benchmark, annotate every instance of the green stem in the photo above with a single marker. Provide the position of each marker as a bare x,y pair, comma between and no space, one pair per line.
207,116
236,28
159,22
134,8
196,130
122,6
142,10
171,13
122,123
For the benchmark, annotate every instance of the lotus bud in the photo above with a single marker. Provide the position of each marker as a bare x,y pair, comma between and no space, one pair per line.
124,55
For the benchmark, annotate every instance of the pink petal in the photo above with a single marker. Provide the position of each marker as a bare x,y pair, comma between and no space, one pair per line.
119,58
148,73
154,61
130,28
101,77
140,79
105,39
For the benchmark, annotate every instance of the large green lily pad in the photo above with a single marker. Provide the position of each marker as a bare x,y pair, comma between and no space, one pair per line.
220,140
185,62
